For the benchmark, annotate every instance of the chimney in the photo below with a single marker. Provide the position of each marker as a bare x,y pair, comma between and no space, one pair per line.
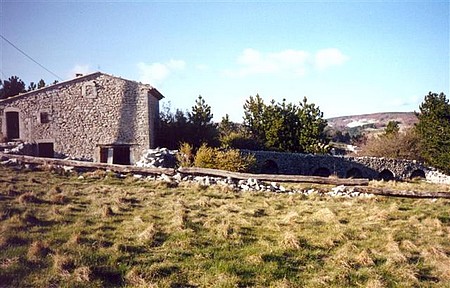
78,75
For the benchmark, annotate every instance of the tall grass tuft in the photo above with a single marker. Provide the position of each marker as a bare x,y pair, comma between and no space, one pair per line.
28,197
83,274
107,211
37,251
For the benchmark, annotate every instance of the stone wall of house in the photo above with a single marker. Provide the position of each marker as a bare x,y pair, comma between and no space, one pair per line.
85,113
343,167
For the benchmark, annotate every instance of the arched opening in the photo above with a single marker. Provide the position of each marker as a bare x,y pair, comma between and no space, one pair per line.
322,171
354,173
386,175
269,167
418,174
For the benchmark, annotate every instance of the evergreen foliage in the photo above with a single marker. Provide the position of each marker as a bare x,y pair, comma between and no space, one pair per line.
434,130
41,84
32,86
11,87
203,130
195,127
392,128
285,126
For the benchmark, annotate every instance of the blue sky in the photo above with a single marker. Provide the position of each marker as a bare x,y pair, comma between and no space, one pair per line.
347,57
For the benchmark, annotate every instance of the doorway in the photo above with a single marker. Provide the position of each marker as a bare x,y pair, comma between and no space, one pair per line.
12,125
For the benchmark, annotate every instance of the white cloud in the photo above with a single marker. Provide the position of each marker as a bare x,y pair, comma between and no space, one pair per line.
252,61
291,62
202,67
156,73
80,69
326,58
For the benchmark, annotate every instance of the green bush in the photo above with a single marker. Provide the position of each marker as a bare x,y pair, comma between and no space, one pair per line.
205,157
233,160
185,155
230,159
237,140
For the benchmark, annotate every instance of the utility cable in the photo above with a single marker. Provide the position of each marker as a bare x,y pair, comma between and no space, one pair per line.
29,57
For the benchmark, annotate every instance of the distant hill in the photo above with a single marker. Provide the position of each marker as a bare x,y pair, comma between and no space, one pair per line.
373,122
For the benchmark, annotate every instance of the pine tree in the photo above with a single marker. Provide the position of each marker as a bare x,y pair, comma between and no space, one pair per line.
312,126
41,84
32,86
203,130
392,128
11,87
433,129
285,126
254,118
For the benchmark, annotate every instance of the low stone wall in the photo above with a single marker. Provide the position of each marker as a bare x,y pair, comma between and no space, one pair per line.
345,167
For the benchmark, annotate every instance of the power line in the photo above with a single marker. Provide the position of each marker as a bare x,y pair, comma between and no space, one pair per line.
29,57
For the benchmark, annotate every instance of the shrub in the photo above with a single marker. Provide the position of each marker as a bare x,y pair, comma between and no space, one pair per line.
206,157
230,160
233,160
238,140
403,145
185,155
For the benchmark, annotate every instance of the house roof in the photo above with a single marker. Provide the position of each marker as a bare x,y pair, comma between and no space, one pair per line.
155,93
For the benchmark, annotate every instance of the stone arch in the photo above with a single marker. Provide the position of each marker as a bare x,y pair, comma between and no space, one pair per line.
386,175
269,167
418,174
354,173
322,171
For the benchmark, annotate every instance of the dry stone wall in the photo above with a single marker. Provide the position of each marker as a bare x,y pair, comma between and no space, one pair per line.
86,113
345,167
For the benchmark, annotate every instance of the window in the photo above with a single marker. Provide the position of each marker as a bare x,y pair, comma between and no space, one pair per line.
89,90
44,117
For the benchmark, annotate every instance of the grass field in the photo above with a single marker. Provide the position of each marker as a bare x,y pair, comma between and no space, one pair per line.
103,231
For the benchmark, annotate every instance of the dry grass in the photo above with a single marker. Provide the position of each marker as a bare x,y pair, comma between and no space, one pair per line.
103,231
38,251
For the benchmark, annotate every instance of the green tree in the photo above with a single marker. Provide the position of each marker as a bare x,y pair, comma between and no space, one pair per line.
226,126
41,84
32,86
203,130
311,128
254,118
285,126
173,128
11,87
392,128
433,129
282,127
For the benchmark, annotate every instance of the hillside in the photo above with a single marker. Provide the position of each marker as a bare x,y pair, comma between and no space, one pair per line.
373,121
353,127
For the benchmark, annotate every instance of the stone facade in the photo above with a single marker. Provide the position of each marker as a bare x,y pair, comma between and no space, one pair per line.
343,167
96,117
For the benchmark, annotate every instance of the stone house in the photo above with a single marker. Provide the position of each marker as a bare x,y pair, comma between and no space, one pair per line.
96,117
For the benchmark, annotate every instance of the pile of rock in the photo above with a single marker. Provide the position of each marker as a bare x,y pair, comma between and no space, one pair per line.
159,157
255,185
14,147
434,176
